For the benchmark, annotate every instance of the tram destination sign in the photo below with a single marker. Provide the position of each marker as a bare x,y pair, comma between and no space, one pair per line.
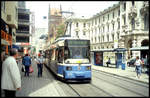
78,42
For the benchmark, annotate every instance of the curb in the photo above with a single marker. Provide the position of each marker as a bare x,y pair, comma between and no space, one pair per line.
122,76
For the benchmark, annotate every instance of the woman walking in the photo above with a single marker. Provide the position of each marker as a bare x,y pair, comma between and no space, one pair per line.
138,64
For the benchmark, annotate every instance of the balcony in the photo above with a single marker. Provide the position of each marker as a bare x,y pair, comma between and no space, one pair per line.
132,13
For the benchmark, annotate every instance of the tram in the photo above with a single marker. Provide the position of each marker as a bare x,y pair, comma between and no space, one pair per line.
69,58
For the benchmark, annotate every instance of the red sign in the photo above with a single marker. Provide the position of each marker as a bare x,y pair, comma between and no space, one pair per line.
27,44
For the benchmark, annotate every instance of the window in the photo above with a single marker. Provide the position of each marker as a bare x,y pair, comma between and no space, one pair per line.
103,18
118,25
103,38
76,33
146,22
99,39
95,22
118,12
113,14
133,23
132,3
118,35
84,33
124,6
103,29
124,20
99,20
84,24
108,27
113,26
77,24
112,37
60,55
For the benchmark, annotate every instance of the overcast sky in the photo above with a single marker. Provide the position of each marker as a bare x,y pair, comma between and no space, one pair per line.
80,8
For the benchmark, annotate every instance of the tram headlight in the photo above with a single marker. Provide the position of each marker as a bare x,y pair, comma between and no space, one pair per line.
88,68
68,68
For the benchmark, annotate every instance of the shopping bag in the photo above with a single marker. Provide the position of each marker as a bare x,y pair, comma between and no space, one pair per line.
23,69
30,69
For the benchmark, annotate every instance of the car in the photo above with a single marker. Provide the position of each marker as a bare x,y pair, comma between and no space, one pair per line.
131,62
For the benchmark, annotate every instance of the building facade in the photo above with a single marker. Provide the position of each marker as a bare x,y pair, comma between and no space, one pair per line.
24,28
9,23
124,25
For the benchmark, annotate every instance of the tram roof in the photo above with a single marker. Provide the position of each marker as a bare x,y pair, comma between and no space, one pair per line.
69,38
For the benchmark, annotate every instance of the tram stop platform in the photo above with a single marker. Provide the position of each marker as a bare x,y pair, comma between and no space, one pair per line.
129,72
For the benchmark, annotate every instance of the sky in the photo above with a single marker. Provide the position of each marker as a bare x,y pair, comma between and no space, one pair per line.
80,8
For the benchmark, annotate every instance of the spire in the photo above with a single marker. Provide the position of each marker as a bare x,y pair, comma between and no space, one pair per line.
60,9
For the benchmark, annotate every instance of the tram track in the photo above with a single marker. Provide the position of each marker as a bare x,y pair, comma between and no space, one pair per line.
79,90
70,85
121,78
119,85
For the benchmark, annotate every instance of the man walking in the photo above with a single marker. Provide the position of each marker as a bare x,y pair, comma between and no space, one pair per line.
27,63
11,78
40,62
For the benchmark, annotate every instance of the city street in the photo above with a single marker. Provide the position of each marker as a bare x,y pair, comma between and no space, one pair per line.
103,84
107,44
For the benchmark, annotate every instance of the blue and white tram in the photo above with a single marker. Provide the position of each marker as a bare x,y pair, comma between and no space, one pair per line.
70,59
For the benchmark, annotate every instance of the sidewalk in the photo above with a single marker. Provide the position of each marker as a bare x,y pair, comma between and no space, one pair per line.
129,72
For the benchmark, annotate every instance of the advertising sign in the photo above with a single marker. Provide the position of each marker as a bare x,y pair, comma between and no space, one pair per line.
99,58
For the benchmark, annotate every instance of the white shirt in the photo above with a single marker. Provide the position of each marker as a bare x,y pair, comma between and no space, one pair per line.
138,62
40,60
11,78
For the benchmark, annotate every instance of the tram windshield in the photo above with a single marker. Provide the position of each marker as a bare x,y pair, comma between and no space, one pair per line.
78,52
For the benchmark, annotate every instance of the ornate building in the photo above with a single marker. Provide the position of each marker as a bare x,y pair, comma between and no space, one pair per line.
124,25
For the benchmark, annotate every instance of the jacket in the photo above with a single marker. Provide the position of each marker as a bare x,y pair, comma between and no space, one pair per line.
26,61
11,78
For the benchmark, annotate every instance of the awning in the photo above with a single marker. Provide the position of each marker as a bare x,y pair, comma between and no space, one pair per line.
120,49
139,48
110,50
16,46
103,50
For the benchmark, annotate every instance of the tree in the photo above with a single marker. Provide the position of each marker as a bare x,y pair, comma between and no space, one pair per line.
60,30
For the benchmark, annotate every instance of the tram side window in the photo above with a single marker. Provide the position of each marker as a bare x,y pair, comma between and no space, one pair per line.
60,55
53,55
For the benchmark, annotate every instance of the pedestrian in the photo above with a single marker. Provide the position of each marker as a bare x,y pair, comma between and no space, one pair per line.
27,63
40,62
138,64
11,78
108,62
